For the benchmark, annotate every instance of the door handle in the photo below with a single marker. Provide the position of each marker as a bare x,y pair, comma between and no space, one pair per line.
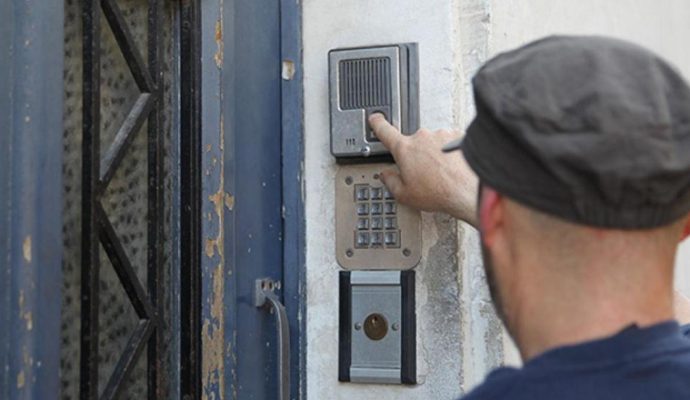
266,298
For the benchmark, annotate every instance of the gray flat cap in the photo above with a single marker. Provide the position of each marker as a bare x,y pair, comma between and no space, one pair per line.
590,129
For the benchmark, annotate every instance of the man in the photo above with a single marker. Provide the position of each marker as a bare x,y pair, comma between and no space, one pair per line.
582,150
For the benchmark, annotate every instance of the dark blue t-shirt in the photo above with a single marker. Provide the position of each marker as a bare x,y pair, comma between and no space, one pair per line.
635,364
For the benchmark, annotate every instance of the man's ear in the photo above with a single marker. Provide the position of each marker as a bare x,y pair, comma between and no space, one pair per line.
490,214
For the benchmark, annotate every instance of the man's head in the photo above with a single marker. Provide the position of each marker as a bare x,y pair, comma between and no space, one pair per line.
533,259
583,147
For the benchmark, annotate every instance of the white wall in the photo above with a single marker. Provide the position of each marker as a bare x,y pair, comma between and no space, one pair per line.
457,330
459,338
662,26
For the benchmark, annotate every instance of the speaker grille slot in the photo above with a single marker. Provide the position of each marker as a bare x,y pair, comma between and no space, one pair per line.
365,83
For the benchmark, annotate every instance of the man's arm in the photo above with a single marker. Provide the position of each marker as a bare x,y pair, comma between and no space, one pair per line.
682,309
429,179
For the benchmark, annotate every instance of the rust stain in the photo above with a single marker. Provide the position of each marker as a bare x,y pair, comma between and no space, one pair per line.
229,201
213,332
218,57
212,338
28,317
26,249
21,380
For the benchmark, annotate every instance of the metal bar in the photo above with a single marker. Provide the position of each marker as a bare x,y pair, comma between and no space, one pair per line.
31,93
127,45
155,200
90,174
190,204
292,142
6,119
125,365
123,268
265,297
124,137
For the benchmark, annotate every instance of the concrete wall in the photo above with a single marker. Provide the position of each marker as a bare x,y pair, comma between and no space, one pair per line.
459,337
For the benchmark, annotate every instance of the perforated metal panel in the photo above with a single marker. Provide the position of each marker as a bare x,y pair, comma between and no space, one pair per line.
365,83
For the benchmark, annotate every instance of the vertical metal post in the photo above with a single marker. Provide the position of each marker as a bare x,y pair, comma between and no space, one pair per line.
31,59
190,199
155,200
88,377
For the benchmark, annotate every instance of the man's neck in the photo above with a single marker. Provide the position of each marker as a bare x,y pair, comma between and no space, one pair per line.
554,312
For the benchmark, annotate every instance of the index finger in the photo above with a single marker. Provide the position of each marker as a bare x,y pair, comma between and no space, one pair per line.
389,135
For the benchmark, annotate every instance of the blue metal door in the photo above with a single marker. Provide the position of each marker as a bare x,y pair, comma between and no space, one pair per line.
251,144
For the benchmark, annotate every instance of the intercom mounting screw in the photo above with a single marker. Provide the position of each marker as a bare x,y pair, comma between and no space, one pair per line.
358,326
348,180
396,326
407,252
366,150
349,253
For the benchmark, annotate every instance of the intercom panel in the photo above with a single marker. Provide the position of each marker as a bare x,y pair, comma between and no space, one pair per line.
366,80
373,231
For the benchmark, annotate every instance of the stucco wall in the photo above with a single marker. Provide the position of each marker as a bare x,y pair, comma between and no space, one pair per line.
459,338
456,327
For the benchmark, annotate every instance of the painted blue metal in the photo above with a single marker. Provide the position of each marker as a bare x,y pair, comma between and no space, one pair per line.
31,186
6,28
212,335
253,225
294,275
253,234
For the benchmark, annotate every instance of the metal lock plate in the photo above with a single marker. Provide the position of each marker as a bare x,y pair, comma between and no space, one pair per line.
373,231
377,327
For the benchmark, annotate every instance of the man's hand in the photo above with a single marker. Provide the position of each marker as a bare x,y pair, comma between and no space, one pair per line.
681,304
429,179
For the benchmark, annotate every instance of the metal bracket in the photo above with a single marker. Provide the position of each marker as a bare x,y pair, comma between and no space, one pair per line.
265,297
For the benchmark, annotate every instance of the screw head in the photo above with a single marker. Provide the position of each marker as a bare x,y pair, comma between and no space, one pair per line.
407,252
349,253
348,180
358,326
366,151
395,326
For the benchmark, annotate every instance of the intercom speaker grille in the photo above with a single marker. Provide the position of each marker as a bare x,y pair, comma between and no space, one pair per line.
365,83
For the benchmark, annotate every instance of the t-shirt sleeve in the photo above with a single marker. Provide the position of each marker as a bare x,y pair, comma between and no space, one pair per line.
686,330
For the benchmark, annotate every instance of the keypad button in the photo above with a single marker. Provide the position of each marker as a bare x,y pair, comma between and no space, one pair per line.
362,209
376,208
377,223
376,239
361,192
387,194
363,224
362,240
390,207
392,239
376,193
390,223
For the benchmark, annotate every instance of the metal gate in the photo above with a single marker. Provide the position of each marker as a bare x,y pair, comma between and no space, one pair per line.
131,290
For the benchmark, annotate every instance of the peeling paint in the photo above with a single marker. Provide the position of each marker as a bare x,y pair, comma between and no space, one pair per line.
213,325
218,56
26,248
288,71
21,380
229,201
28,317
213,337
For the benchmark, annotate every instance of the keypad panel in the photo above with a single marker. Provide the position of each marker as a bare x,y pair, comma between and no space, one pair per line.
377,220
